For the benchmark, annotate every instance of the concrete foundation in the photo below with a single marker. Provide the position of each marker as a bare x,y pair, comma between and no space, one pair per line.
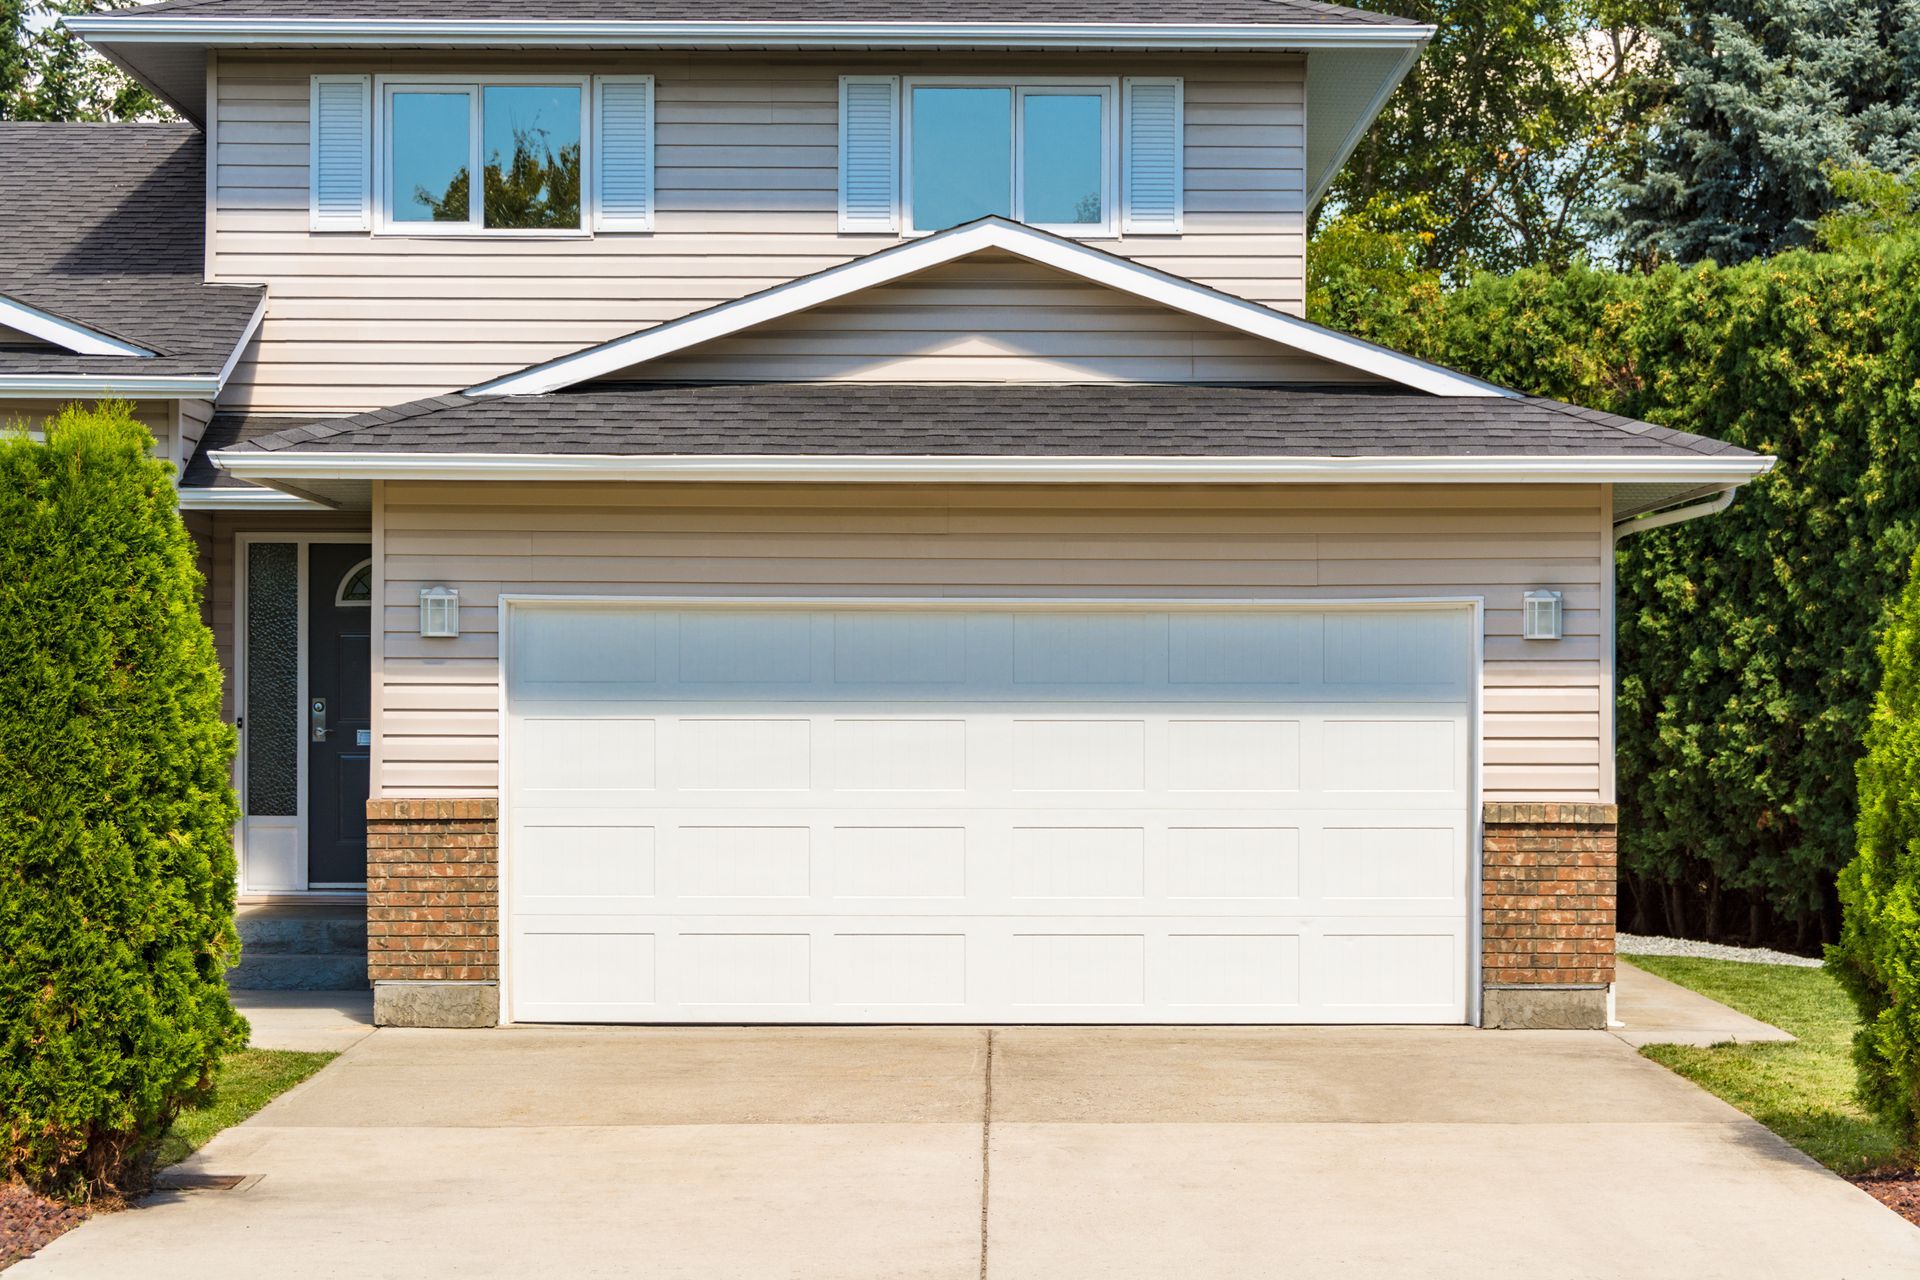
1537,1008
436,1004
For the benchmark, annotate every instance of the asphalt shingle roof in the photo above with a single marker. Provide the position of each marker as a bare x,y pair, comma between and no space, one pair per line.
105,227
985,420
1286,12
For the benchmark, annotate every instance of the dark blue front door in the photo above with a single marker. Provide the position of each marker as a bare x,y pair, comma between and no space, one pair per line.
339,719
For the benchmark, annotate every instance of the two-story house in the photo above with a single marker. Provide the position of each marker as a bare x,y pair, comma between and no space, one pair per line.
832,513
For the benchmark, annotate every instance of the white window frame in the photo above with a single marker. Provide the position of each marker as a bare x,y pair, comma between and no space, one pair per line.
385,87
1022,88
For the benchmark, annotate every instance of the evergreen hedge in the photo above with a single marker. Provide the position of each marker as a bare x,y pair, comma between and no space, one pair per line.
1746,641
116,867
1878,957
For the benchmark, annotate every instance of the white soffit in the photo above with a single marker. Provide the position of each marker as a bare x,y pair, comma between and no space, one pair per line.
991,233
1346,89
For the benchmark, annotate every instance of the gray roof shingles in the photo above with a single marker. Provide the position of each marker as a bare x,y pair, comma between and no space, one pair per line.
105,227
984,420
1272,12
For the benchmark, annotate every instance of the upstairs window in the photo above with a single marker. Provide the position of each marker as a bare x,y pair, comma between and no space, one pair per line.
1040,153
522,138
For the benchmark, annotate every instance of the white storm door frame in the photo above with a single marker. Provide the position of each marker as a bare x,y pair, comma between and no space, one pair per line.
1475,607
253,879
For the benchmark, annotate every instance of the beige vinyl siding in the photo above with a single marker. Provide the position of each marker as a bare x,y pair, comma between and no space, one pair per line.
746,189
994,318
1545,736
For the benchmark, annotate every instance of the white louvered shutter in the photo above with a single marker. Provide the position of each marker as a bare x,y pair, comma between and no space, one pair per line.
1153,195
870,153
341,142
623,154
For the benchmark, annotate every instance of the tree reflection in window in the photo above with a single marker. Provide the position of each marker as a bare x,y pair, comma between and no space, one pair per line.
531,182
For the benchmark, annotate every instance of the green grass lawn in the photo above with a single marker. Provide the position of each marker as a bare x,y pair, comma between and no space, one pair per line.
1804,1091
247,1081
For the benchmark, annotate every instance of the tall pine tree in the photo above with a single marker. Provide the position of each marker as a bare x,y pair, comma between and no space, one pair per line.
1768,99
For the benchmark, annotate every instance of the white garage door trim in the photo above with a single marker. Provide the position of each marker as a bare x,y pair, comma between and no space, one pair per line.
1473,606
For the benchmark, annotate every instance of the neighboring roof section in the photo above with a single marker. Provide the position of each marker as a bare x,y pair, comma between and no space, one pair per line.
629,356
104,242
991,432
829,419
934,12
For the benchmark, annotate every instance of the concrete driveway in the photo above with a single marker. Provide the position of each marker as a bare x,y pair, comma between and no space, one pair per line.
958,1153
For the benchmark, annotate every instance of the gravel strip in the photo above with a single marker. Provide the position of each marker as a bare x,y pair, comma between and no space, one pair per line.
29,1222
1634,944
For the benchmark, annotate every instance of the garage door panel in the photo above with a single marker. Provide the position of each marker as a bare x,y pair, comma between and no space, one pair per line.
1038,969
963,862
821,815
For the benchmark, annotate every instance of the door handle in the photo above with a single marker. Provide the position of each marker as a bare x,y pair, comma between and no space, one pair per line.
319,718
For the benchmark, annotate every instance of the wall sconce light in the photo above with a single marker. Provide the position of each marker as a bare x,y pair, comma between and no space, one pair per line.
439,612
1540,619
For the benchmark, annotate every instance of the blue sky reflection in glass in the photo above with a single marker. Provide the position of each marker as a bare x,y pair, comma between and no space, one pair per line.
962,155
1060,159
431,148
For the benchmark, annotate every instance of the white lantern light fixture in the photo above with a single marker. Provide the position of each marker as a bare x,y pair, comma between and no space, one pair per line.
439,612
1540,617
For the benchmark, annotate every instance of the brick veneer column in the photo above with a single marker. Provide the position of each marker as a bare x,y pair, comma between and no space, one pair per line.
1547,912
433,912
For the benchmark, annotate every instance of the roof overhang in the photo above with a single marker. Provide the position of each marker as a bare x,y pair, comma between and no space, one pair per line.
1351,67
993,233
63,333
92,386
230,499
345,479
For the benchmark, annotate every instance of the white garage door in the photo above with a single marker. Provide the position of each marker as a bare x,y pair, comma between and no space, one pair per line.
987,814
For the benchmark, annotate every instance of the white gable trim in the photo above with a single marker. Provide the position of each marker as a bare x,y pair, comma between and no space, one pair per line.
78,339
1025,242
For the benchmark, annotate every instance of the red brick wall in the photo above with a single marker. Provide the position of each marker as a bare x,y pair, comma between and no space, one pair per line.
433,892
1547,894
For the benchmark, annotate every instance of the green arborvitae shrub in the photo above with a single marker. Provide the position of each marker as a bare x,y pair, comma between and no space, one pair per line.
116,862
1746,640
1878,956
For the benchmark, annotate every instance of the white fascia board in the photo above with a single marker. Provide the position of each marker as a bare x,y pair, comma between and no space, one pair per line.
240,347
20,385
202,499
131,28
76,338
1041,247
268,465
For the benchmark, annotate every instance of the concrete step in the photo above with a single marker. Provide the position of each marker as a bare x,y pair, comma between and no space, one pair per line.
318,930
299,973
301,947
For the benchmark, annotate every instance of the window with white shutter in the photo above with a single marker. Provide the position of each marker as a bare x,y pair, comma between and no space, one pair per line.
870,153
623,153
341,145
1153,180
